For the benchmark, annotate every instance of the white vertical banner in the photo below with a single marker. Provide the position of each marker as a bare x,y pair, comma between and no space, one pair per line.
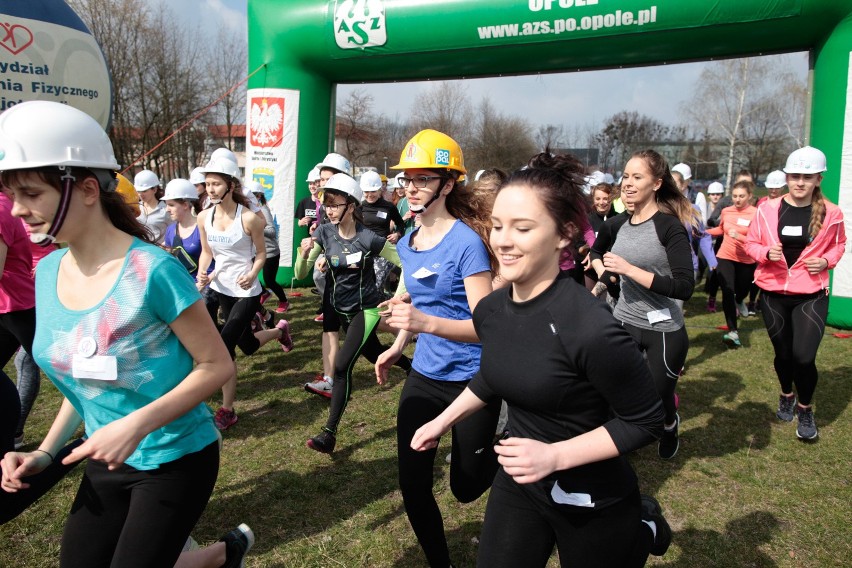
271,134
841,284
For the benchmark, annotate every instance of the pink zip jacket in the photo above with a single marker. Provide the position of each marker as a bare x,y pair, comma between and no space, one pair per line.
829,244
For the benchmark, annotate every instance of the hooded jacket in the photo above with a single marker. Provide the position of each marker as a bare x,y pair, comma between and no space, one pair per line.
776,276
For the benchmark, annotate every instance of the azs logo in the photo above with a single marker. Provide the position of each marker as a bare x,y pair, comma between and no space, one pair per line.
359,24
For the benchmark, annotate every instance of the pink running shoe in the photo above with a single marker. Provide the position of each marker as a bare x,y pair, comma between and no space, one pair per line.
282,307
224,418
285,340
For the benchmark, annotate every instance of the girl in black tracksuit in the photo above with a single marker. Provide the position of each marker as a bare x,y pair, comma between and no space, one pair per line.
565,367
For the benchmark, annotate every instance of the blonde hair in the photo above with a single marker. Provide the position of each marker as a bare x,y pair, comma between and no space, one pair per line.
817,212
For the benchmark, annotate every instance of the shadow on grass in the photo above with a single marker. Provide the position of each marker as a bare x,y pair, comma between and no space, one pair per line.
739,545
463,548
832,394
287,506
726,431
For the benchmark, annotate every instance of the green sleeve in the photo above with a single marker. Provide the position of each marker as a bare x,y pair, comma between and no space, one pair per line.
302,266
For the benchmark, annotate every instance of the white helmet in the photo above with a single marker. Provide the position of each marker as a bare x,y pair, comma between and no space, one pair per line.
370,181
346,184
715,187
197,176
145,180
335,162
683,169
222,166
36,134
254,186
396,179
224,153
179,188
807,160
776,179
313,175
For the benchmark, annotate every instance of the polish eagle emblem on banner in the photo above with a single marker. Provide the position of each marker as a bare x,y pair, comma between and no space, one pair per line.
267,121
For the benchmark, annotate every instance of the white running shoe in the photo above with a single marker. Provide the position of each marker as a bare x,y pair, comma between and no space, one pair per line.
321,386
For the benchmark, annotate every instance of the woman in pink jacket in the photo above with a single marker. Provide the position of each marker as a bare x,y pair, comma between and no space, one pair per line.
795,240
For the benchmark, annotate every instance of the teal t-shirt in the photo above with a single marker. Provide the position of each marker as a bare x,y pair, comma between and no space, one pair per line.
131,324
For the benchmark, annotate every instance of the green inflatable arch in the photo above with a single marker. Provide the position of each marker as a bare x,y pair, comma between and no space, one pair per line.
305,47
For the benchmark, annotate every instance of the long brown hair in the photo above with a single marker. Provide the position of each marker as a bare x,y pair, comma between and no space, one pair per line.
471,208
117,210
669,197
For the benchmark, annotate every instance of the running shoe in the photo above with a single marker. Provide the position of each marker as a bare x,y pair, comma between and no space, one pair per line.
751,309
742,309
319,318
651,512
807,429
732,340
321,386
285,340
786,408
315,291
237,544
323,442
264,296
225,418
711,305
256,322
670,442
282,307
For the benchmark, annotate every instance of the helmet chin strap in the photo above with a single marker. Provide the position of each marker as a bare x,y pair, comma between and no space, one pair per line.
218,201
422,208
47,239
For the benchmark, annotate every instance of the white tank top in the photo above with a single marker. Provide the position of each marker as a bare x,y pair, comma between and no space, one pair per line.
233,251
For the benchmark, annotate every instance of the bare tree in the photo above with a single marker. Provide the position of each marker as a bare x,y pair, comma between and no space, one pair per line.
726,94
229,65
356,127
444,107
500,141
549,136
625,132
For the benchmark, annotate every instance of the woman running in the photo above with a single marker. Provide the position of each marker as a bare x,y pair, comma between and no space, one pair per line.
152,211
233,236
653,258
796,240
349,249
447,269
736,267
590,399
122,335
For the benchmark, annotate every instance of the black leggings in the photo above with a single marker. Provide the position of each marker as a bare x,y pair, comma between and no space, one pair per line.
360,339
132,518
795,323
521,531
270,271
472,467
711,285
16,329
237,313
735,278
666,353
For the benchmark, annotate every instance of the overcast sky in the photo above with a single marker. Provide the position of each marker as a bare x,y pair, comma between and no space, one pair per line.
569,99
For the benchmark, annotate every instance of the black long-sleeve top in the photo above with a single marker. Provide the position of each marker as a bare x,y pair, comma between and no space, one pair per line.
565,366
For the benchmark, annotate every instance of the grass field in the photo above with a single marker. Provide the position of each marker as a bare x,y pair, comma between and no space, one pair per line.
742,491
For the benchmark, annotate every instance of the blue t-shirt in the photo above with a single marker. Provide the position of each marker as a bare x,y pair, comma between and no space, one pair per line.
131,324
435,280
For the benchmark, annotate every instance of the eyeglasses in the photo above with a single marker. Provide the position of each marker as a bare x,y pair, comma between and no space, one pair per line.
334,206
419,181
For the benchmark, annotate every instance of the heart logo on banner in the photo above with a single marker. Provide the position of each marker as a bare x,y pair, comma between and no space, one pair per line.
15,37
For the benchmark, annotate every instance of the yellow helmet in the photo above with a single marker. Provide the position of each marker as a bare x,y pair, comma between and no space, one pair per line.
128,192
431,149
